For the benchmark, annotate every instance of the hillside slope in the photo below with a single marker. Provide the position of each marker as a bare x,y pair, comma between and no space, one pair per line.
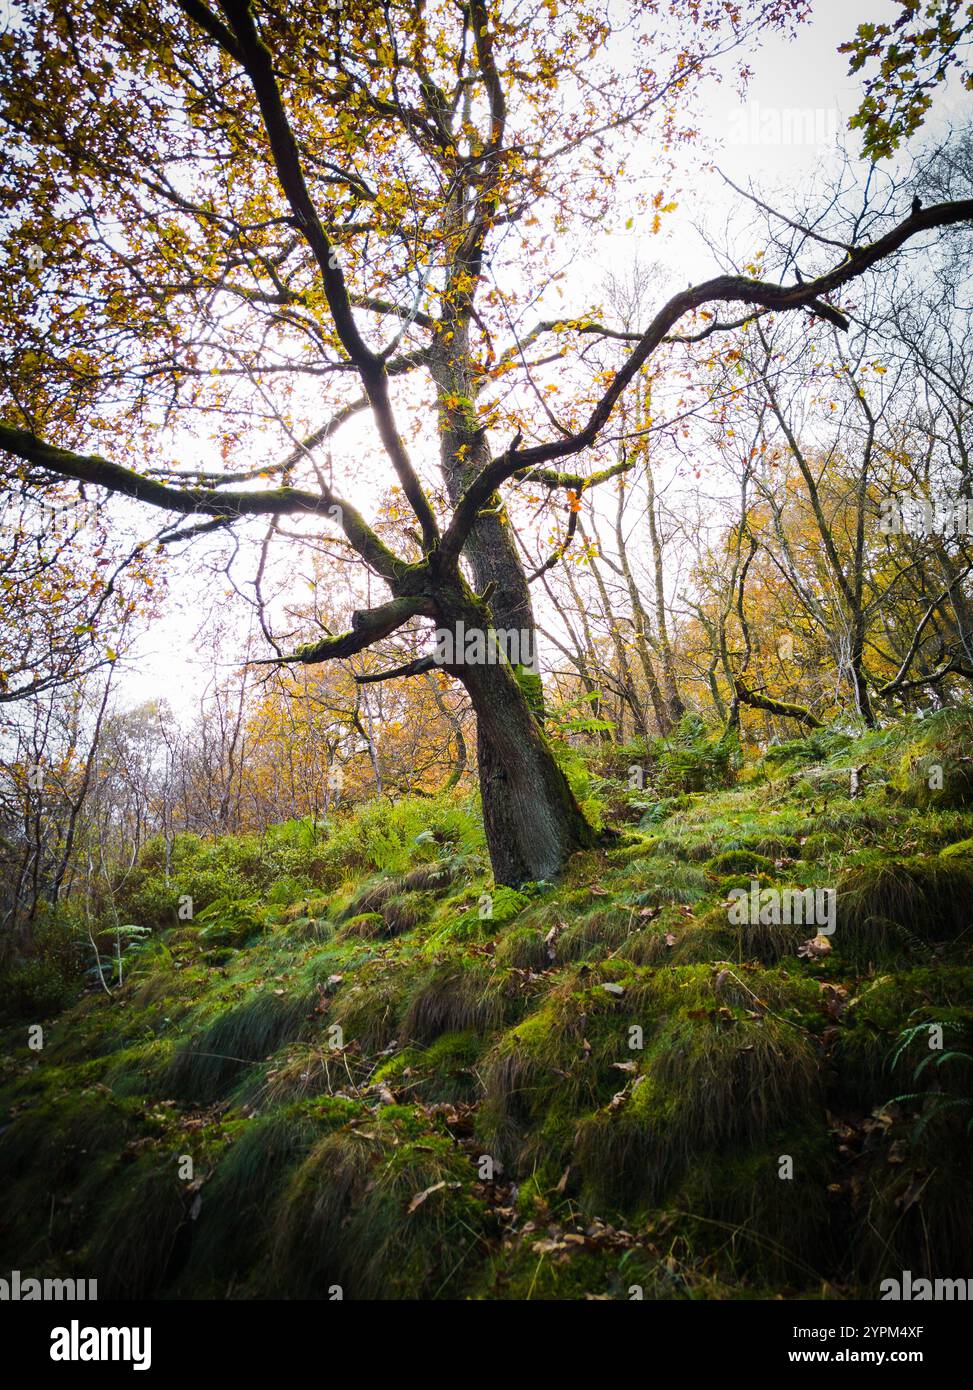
394,1079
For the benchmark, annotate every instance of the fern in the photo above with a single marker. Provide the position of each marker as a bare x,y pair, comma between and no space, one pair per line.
937,1103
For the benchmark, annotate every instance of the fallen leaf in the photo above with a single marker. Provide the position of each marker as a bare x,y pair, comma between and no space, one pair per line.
420,1197
815,948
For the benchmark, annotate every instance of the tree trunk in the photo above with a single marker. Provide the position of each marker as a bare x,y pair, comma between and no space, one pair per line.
464,452
504,770
495,564
532,819
673,699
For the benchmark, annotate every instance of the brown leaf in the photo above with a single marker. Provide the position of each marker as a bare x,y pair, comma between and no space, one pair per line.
420,1197
835,999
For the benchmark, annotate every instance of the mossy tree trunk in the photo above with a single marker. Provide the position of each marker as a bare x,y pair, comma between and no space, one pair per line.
531,816
496,567
532,819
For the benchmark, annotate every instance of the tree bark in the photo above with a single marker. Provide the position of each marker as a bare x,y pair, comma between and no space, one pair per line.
508,765
532,819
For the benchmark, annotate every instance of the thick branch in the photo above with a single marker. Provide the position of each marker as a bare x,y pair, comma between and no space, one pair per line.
725,288
411,668
91,468
259,67
788,711
368,625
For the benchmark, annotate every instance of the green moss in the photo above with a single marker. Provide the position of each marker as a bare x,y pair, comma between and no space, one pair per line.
443,1072
140,1068
765,1210
235,1227
367,925
740,861
523,948
729,1071
595,935
819,844
544,1268
406,911
709,937
380,1214
961,849
936,770
776,846
745,880
205,1067
369,1005
142,1237
544,1068
634,852
898,907
454,998
865,1044
634,1063
657,882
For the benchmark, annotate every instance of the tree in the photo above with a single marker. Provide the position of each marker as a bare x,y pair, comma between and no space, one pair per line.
909,59
247,214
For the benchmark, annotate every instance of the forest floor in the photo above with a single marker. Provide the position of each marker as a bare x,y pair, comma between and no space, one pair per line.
361,1065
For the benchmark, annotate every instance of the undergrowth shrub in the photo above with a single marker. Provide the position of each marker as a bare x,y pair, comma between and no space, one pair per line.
691,759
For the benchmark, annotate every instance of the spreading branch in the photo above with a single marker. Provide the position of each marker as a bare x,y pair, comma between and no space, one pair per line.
810,295
368,625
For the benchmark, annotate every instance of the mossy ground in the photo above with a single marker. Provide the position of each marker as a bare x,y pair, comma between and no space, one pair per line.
392,1077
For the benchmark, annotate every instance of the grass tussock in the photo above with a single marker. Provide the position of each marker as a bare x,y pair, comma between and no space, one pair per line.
904,906
385,1210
